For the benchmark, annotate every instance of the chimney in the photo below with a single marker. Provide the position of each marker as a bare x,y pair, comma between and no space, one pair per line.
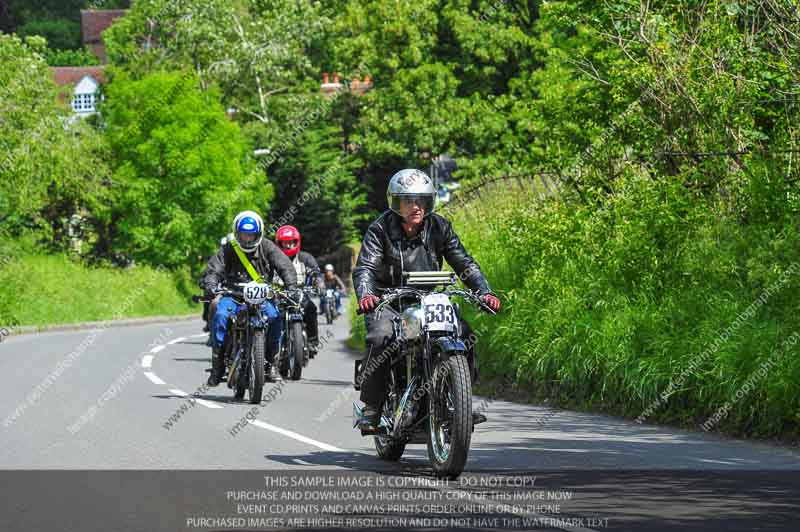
325,78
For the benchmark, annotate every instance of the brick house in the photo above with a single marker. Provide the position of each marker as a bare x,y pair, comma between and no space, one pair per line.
93,24
81,83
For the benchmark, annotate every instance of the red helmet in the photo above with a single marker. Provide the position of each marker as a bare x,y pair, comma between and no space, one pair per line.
288,239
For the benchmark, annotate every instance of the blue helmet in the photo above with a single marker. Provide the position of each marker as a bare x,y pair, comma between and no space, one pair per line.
248,229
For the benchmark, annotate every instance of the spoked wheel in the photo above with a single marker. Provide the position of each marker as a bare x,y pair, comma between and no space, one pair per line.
389,449
329,311
296,351
256,369
450,420
238,377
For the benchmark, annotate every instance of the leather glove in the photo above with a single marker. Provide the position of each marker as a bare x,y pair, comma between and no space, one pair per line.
368,303
491,301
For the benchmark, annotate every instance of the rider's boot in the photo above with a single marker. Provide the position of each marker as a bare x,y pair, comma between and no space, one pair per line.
217,368
273,375
370,419
477,417
313,347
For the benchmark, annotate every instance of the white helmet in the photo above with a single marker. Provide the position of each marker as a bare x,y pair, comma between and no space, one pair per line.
329,267
411,184
248,230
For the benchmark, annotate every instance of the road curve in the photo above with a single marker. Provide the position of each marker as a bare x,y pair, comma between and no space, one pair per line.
94,407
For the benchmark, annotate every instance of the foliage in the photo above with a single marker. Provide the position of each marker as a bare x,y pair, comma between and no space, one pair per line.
60,33
52,166
672,131
440,71
181,170
251,49
70,57
316,180
604,309
52,289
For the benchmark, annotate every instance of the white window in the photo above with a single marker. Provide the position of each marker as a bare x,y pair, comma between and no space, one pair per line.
84,98
83,103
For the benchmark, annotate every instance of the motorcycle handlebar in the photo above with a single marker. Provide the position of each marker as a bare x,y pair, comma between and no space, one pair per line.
393,294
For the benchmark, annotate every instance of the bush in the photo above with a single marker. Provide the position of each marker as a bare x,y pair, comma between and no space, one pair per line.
56,57
608,307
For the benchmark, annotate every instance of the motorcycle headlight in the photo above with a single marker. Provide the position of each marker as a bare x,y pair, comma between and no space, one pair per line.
411,321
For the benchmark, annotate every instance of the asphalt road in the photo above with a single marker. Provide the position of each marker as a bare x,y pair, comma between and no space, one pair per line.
123,414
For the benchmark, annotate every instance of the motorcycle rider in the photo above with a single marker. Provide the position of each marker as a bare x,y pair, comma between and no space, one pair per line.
287,237
245,251
333,281
408,236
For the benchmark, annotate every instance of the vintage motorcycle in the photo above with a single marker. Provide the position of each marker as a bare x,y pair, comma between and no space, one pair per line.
328,300
430,388
244,349
294,352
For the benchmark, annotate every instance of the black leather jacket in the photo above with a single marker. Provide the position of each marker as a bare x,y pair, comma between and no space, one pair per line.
225,267
379,261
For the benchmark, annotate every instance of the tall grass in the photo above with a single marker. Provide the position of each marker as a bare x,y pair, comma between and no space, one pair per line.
48,289
605,307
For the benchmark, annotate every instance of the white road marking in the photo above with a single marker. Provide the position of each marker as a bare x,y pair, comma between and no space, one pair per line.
157,348
207,404
176,340
153,378
147,360
201,335
296,436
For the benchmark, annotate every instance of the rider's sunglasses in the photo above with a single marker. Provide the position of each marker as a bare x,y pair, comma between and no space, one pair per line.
288,244
419,202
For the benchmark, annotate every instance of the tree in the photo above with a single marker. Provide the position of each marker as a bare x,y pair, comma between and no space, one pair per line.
441,70
52,165
250,49
181,169
317,191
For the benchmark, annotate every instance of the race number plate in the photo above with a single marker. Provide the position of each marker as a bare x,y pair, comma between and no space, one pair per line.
440,315
256,293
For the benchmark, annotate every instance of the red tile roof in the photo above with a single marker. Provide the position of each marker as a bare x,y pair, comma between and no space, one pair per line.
95,22
72,75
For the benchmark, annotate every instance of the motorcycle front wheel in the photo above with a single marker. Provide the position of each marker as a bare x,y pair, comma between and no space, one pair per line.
257,367
296,350
450,420
329,312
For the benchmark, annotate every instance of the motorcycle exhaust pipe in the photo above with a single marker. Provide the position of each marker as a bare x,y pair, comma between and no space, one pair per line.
401,408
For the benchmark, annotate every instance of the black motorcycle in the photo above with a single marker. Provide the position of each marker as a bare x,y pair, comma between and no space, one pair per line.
430,388
328,301
294,352
244,350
